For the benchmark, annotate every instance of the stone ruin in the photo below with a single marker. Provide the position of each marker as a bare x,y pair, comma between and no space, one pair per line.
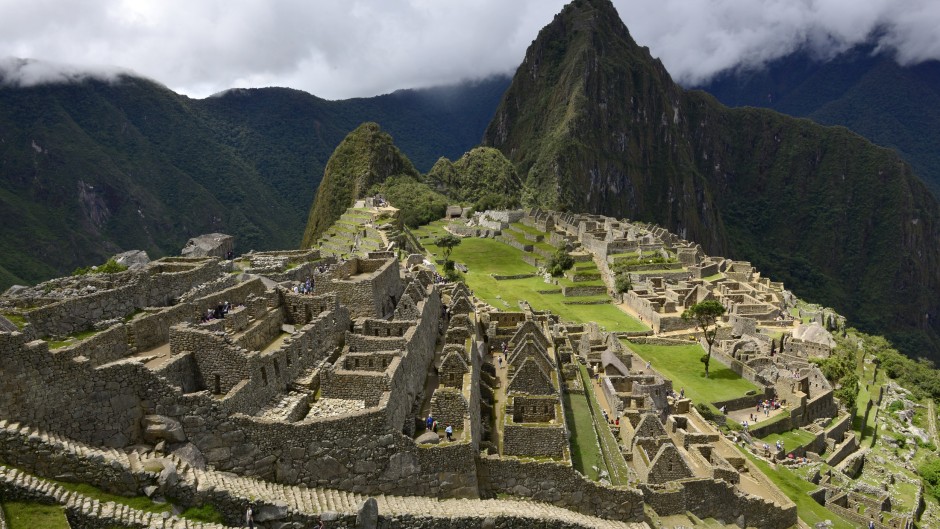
306,404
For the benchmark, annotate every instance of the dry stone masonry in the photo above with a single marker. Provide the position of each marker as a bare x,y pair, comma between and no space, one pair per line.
300,382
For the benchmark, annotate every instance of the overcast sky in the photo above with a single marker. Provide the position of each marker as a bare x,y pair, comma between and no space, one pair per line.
347,48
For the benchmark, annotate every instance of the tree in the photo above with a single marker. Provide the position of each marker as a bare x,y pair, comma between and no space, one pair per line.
622,283
447,243
705,315
560,262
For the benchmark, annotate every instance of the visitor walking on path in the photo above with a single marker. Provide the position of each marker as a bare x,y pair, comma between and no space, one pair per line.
450,432
250,518
429,423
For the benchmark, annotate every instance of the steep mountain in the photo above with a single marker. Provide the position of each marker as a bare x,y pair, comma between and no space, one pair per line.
366,157
91,168
594,123
864,89
482,176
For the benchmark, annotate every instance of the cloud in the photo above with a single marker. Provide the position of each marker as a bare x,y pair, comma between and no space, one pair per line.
366,47
696,39
30,72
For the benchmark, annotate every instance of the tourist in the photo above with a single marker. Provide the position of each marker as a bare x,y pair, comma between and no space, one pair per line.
499,360
722,410
682,393
250,518
648,364
779,445
450,432
429,423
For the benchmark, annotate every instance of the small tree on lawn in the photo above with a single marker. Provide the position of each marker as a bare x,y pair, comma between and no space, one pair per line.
705,315
447,243
560,262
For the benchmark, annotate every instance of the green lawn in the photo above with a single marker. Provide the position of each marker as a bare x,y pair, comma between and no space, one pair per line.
791,440
798,491
681,364
610,449
22,515
486,257
141,503
585,451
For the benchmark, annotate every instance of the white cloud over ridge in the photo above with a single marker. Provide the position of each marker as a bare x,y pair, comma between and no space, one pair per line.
29,72
366,47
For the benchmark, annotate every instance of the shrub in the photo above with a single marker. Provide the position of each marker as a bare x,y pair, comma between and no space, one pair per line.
929,471
560,262
109,267
623,283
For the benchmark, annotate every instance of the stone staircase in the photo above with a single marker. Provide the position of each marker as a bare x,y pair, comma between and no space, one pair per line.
17,484
299,502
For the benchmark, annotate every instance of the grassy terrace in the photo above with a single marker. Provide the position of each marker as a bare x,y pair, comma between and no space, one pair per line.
797,489
791,440
610,449
681,364
486,257
585,452
24,515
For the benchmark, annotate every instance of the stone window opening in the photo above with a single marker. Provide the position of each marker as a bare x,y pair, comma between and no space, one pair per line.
401,331
218,385
277,370
264,377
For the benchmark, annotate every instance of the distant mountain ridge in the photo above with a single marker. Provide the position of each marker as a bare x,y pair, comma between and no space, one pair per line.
594,123
863,89
94,167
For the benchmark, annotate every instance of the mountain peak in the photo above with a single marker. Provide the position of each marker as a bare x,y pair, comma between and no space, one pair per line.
366,156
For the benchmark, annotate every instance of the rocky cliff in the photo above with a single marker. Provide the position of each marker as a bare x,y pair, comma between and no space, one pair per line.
594,123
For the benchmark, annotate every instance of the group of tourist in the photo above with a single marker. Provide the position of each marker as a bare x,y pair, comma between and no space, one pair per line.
430,425
304,287
217,313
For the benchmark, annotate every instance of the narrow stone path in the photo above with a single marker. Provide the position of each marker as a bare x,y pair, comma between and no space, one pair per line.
932,422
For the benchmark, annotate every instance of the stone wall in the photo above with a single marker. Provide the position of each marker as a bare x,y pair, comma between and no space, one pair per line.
148,288
559,484
843,450
449,407
708,498
153,329
535,439
367,287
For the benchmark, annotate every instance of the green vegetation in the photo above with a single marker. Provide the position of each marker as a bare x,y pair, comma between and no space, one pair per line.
419,204
16,319
482,177
705,315
205,513
585,451
365,158
840,369
838,245
610,449
72,339
109,267
485,258
791,440
26,515
141,503
560,262
798,489
680,363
